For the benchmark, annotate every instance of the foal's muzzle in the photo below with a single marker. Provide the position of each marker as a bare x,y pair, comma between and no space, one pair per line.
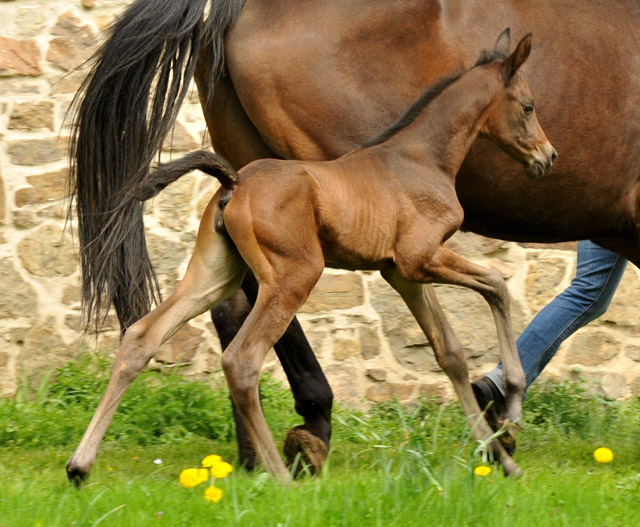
543,159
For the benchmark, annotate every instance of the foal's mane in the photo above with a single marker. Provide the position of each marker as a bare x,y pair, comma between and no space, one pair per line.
427,96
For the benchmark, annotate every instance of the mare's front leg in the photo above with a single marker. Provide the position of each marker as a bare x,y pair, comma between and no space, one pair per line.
423,304
214,273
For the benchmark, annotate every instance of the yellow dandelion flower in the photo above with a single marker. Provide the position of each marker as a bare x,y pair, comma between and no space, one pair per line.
482,470
191,477
221,469
603,455
213,494
211,460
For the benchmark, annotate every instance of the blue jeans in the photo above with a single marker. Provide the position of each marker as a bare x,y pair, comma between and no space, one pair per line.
597,277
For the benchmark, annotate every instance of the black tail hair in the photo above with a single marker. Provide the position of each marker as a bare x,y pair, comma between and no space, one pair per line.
125,109
166,173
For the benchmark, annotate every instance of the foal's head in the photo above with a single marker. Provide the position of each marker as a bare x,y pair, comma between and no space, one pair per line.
512,123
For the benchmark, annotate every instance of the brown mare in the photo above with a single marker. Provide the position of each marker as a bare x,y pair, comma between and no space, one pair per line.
315,80
290,219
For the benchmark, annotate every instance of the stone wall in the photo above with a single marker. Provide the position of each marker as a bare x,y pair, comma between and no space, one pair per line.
365,338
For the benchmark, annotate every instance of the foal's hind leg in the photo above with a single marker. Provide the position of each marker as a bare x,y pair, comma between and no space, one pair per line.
215,272
235,137
309,386
274,309
423,304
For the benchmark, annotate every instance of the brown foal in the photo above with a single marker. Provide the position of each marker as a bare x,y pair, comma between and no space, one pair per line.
388,206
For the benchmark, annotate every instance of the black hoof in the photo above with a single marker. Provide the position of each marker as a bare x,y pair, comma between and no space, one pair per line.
492,403
76,476
313,450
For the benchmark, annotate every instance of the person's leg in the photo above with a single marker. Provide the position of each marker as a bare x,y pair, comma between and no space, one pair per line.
598,274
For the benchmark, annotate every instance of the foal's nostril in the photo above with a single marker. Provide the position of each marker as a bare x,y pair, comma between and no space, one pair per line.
554,155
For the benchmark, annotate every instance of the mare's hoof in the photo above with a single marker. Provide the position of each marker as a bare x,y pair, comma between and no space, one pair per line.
313,450
492,403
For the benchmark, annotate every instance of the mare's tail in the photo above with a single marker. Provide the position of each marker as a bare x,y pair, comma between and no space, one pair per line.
125,109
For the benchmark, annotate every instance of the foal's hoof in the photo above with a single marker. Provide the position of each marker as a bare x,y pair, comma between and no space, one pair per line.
75,474
512,469
313,450
509,437
492,403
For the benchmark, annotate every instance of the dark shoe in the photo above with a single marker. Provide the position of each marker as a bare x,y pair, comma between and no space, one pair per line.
492,402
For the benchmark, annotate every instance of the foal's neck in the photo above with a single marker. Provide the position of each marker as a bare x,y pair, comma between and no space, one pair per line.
448,126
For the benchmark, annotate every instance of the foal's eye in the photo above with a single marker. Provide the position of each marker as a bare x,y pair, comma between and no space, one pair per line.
528,108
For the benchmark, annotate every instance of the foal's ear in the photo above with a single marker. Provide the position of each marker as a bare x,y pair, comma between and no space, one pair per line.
512,64
503,44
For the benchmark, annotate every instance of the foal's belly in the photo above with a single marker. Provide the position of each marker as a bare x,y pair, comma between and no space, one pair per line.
356,217
351,262
356,249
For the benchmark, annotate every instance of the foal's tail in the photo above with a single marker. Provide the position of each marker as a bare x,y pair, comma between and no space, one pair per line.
125,109
166,173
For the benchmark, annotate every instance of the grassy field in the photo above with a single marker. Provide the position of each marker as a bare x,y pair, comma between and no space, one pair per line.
393,466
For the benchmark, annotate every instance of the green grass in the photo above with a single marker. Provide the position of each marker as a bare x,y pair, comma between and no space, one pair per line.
393,466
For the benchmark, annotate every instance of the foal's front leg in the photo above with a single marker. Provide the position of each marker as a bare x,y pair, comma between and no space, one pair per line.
448,267
423,304
451,268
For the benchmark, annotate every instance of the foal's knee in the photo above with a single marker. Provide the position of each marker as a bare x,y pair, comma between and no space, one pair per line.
134,333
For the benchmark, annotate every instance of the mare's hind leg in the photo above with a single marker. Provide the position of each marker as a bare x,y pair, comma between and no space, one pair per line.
423,304
227,318
214,273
